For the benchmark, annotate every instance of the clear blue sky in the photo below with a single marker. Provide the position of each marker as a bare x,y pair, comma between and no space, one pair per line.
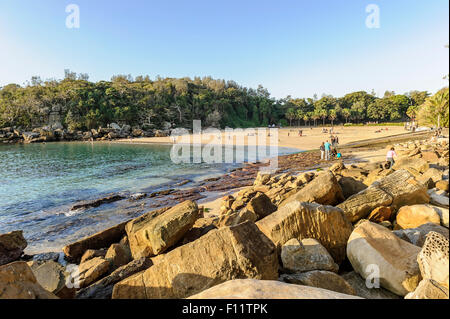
294,47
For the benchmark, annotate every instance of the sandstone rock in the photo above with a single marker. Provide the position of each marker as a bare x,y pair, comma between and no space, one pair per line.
416,163
236,218
201,227
154,233
118,255
336,167
442,185
103,288
430,156
261,205
433,259
386,223
92,270
361,289
267,289
326,224
416,215
434,174
52,277
361,204
320,279
371,244
11,246
223,254
324,189
417,236
99,240
376,175
306,255
350,186
380,214
18,282
92,253
443,214
428,289
262,179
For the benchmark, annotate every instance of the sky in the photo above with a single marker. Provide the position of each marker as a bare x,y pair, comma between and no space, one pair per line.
291,47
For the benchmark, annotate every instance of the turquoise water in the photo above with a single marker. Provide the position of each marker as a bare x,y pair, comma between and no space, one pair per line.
40,182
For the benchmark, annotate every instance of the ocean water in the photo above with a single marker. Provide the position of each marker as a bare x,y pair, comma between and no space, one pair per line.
39,183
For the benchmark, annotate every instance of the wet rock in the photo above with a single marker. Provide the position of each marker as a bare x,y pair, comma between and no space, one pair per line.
97,202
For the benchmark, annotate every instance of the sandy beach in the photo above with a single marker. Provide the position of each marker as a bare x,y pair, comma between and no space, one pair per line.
289,137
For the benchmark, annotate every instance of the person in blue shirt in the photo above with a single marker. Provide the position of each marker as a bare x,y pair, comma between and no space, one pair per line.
327,150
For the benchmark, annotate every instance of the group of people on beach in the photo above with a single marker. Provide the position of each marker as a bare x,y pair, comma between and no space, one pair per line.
328,149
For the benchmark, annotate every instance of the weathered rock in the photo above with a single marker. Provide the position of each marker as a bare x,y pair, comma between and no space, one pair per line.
380,214
97,202
324,189
266,289
262,179
99,240
417,236
442,185
443,214
416,163
306,255
361,204
438,199
350,186
371,244
428,289
261,205
103,288
18,282
376,175
154,233
395,190
299,220
430,156
52,277
92,253
118,255
433,259
236,218
223,254
320,279
11,246
201,227
416,215
362,290
92,270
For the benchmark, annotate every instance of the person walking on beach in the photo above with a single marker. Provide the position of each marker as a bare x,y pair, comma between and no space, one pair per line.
327,146
322,151
390,157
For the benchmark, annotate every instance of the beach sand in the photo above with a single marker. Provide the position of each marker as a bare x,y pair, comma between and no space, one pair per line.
288,137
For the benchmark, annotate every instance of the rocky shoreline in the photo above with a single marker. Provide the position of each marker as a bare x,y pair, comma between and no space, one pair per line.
57,133
311,230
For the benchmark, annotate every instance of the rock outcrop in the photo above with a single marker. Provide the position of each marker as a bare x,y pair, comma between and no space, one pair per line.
11,246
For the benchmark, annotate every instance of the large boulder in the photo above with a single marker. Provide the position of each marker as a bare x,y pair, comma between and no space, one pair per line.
416,215
362,290
267,289
153,234
118,255
320,279
395,190
372,248
92,270
350,186
417,163
241,251
11,246
52,276
443,214
18,282
324,189
433,259
417,236
261,205
428,289
299,220
306,255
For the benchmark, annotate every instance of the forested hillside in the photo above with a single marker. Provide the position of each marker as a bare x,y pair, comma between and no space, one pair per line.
79,104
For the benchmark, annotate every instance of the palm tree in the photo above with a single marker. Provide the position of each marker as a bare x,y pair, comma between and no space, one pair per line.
315,116
332,116
437,104
306,118
299,115
290,115
346,113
